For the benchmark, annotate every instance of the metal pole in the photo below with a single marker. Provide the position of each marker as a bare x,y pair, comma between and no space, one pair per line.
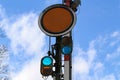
68,58
68,64
58,61
58,56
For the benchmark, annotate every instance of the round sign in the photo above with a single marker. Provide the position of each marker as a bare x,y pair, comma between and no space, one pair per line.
57,20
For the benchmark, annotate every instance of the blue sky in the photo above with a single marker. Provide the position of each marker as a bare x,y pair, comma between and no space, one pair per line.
96,37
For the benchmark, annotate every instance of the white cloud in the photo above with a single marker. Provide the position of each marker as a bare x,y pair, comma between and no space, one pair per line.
97,60
98,68
26,40
114,54
115,34
81,66
91,55
83,62
109,77
24,34
30,71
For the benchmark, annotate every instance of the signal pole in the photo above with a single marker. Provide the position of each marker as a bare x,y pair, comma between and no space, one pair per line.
58,60
68,63
68,58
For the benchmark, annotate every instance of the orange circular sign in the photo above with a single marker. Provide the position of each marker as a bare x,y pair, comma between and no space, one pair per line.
57,20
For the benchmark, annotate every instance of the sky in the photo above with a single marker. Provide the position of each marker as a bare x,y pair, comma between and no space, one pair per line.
96,39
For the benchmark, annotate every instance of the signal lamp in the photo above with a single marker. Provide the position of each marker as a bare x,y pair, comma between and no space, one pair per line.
47,61
46,66
66,49
66,45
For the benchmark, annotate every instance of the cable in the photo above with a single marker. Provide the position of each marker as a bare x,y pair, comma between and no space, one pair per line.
49,42
49,53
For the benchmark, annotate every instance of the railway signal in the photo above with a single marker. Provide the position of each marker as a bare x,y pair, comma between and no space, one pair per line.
58,21
46,66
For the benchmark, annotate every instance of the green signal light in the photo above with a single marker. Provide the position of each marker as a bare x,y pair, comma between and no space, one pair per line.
47,61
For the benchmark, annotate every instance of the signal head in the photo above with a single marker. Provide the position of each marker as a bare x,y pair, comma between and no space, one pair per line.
46,66
66,45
